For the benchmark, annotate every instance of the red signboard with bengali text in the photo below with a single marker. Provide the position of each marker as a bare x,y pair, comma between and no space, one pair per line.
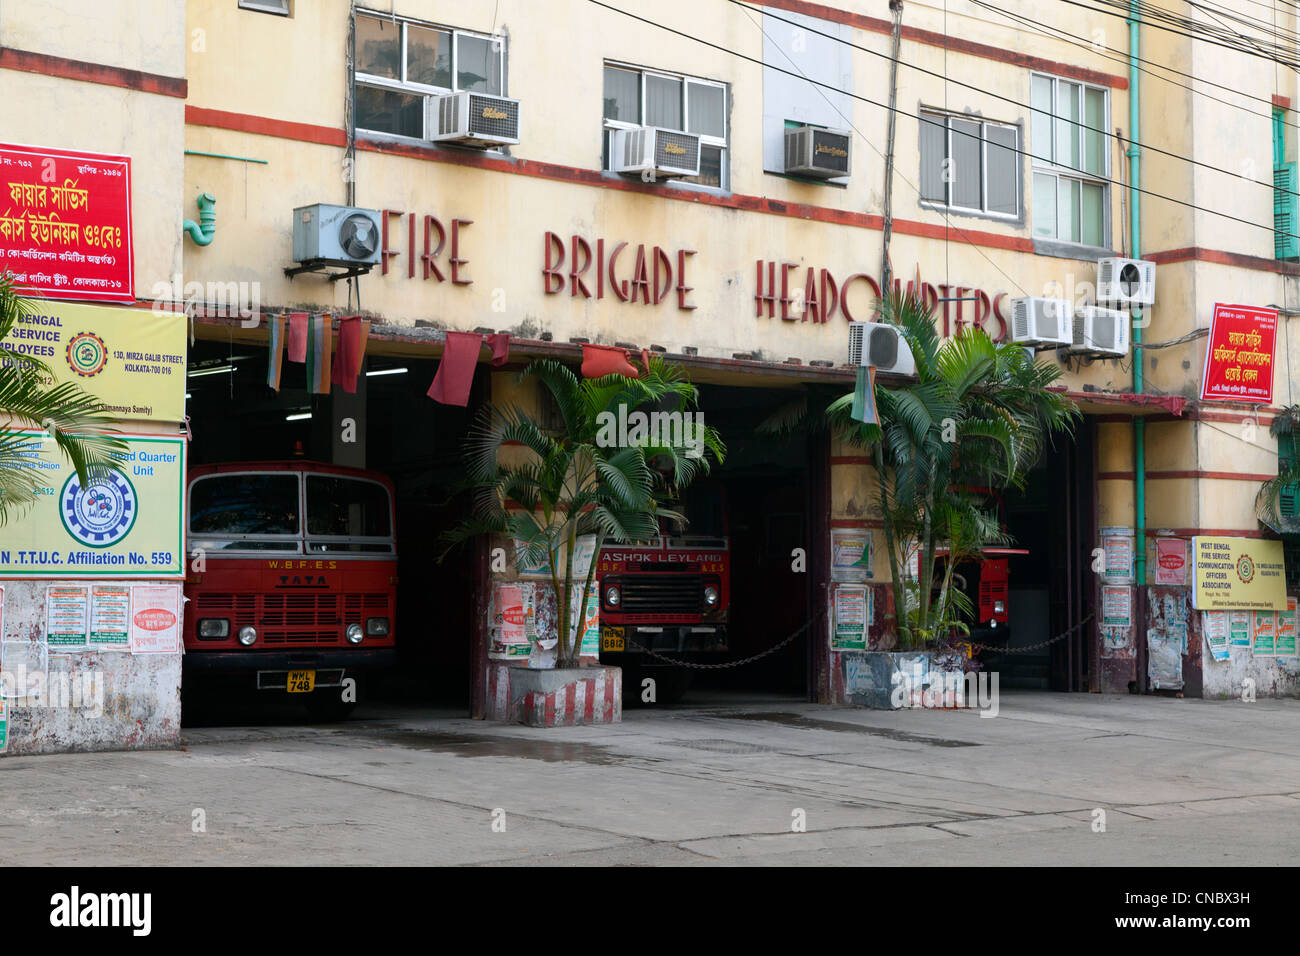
65,223
1239,355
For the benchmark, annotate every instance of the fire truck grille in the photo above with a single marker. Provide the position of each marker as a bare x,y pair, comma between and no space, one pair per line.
662,594
292,619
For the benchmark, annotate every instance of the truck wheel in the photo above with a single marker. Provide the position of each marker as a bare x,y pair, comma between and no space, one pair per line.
327,706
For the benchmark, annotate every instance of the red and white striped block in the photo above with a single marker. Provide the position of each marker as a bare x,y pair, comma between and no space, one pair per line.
597,699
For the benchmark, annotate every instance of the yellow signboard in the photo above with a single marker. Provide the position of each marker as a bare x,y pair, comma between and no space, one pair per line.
1237,574
133,360
127,525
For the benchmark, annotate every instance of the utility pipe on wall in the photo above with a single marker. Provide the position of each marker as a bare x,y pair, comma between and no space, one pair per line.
205,230
1139,423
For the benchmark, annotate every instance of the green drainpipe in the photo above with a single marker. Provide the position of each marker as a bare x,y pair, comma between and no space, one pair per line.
1135,230
205,230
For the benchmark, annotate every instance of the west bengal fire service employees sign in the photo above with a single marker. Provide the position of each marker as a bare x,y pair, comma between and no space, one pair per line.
1239,355
132,360
65,222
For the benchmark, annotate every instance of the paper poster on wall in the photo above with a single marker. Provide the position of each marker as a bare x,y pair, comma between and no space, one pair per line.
509,630
110,609
4,725
1215,626
66,612
156,619
1117,547
540,567
851,554
1116,606
1239,628
1171,562
1265,634
1285,643
850,633
590,621
1115,639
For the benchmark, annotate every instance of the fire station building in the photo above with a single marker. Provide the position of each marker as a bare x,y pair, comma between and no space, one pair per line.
730,184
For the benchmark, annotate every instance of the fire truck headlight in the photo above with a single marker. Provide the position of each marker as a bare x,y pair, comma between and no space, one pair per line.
999,607
214,627
377,626
612,596
354,634
711,596
247,635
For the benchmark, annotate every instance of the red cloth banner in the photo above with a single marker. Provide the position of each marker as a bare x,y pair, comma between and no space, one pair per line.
1239,355
298,337
455,375
353,332
601,360
65,223
500,346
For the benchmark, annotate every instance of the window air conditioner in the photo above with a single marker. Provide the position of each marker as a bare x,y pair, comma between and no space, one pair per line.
1105,331
1039,321
651,152
823,153
472,119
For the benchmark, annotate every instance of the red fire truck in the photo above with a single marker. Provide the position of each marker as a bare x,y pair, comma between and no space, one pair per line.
296,579
671,594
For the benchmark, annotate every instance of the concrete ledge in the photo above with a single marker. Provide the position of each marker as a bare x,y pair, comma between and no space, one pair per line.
552,697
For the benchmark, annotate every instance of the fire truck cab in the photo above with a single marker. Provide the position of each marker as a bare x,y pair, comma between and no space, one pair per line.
292,580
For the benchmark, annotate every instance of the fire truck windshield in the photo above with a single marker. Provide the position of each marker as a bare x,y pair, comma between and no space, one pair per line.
243,505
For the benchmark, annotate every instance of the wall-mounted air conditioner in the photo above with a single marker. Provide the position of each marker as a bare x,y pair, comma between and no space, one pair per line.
822,153
880,345
651,152
1103,331
1039,321
472,119
336,235
1125,282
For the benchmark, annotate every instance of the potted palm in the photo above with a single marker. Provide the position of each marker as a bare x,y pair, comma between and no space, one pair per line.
548,488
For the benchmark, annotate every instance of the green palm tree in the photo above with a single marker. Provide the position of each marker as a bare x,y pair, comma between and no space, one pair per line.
1269,499
976,420
30,399
578,479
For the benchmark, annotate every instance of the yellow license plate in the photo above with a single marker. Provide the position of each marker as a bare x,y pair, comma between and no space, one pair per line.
301,682
612,639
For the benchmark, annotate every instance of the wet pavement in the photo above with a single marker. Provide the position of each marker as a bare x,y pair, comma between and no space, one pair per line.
720,779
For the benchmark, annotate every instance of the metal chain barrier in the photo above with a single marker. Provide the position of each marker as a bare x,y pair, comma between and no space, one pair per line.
977,647
747,660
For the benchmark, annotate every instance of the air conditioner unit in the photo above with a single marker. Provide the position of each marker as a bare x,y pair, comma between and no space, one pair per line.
1126,282
336,235
880,345
651,152
1101,330
472,119
823,153
1039,321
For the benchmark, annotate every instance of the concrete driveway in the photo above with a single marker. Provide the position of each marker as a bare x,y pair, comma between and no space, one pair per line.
732,780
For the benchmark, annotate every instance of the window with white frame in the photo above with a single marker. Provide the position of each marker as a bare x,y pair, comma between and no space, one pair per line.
278,7
1071,160
637,97
970,165
399,63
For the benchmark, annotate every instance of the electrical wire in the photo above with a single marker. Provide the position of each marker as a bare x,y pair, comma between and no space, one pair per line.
1084,43
1020,103
917,189
1104,179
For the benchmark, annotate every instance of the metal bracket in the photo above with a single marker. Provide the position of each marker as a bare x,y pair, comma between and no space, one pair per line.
321,267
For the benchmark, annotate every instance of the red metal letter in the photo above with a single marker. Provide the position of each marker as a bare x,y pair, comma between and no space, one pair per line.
554,268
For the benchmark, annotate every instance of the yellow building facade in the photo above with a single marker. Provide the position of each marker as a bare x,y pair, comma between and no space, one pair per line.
1015,167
